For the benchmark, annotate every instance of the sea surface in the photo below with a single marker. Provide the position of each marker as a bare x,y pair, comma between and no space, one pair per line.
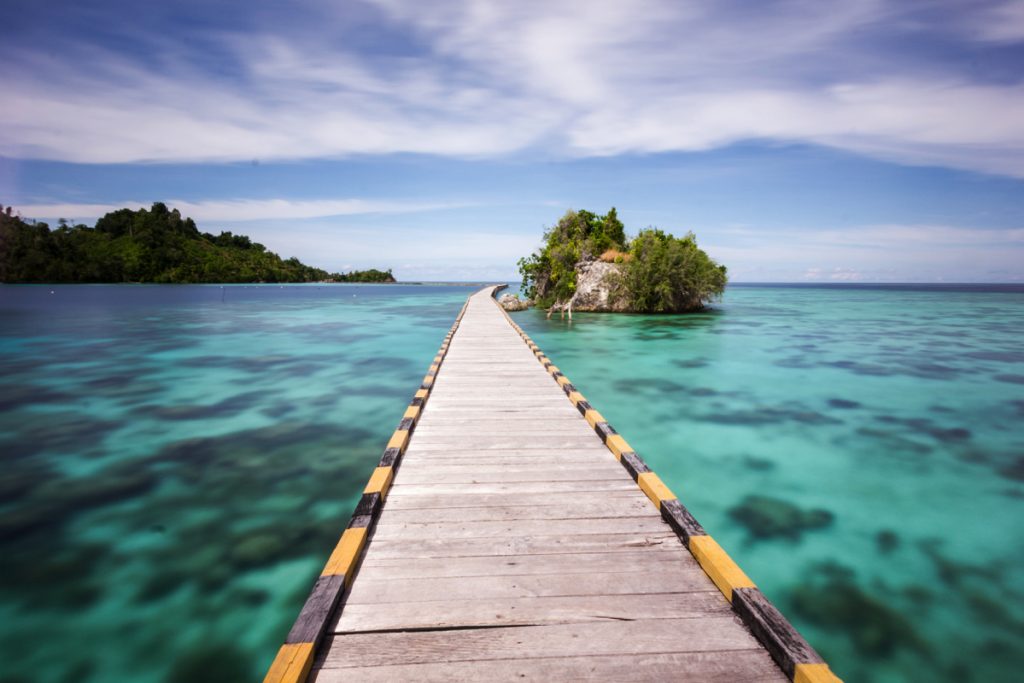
859,450
177,462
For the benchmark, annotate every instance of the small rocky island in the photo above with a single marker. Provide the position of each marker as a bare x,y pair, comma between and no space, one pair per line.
587,264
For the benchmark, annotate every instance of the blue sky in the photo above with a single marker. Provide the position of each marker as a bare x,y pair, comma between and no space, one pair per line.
802,140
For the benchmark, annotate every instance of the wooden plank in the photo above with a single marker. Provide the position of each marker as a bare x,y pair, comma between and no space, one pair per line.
513,488
713,633
540,421
538,545
664,557
432,590
434,500
737,666
511,465
588,509
389,529
500,441
561,609
595,453
512,475
491,426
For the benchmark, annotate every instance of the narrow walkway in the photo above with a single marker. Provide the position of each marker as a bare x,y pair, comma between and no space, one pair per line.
513,545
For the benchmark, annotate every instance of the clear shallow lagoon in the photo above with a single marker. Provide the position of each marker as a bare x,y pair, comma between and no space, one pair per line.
179,461
859,450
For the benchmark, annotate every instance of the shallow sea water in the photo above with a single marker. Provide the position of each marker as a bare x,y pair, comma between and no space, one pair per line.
177,462
858,450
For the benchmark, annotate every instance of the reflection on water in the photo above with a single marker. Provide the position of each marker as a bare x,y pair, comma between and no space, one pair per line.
860,451
179,461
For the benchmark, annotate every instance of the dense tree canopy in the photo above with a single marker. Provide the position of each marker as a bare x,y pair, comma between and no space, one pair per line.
656,272
148,245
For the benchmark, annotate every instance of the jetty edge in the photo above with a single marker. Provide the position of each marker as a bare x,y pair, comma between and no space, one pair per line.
756,619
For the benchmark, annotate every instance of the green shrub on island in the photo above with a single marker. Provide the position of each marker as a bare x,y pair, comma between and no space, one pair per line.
587,263
149,245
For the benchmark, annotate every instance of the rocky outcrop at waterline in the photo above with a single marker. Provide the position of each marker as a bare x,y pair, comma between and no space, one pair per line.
512,302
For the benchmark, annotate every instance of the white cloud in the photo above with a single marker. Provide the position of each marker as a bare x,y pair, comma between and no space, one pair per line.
488,79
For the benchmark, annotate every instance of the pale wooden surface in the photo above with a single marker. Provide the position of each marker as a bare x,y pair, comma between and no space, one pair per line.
513,546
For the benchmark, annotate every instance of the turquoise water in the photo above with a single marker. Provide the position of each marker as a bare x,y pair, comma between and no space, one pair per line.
860,452
179,461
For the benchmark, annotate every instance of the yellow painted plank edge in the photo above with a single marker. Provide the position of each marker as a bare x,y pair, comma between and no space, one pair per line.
345,553
652,485
719,566
814,673
292,664
380,481
617,445
399,440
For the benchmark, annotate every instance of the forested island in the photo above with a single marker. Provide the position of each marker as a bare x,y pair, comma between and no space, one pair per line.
588,264
148,245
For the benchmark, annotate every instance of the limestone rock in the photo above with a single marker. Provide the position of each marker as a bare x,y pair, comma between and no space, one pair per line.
595,281
512,302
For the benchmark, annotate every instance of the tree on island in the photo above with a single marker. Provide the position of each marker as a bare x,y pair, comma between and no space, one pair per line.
148,245
587,263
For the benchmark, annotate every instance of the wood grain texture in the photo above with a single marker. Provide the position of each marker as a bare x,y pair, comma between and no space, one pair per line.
529,611
376,591
647,559
745,666
719,634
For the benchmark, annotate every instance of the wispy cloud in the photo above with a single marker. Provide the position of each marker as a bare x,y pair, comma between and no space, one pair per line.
485,79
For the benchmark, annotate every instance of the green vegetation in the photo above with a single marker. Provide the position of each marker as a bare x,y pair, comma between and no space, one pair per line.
154,245
654,272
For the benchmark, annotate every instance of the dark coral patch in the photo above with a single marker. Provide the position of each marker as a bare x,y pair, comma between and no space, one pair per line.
767,517
832,599
843,404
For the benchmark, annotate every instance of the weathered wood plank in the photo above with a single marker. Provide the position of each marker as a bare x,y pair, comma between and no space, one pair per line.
589,509
517,475
666,557
738,666
607,465
499,441
713,633
537,545
372,591
400,531
513,488
527,611
434,500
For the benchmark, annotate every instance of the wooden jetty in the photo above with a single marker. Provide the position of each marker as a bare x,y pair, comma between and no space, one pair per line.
522,538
